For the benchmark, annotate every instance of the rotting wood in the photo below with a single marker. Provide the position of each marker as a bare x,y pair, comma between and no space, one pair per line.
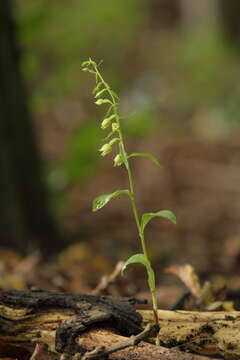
31,308
209,333
25,321
142,351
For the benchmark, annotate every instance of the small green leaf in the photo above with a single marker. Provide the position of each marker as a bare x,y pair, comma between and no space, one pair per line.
99,93
85,63
103,101
88,70
91,62
97,87
109,110
137,258
166,214
150,156
114,140
114,94
102,200
141,259
108,136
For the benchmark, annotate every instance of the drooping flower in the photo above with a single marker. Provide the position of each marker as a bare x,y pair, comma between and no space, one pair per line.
105,149
115,126
107,121
118,160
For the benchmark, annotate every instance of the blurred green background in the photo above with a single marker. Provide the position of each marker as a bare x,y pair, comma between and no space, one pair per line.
175,66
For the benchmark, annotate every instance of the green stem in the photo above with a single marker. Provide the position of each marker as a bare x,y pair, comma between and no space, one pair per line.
132,191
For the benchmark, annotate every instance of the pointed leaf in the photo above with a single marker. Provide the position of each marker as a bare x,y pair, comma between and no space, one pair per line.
103,101
85,63
150,156
108,136
102,200
141,259
110,109
166,214
114,94
88,70
99,93
97,87
136,259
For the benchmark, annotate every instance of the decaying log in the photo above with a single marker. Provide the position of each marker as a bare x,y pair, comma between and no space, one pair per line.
67,324
142,351
68,314
210,333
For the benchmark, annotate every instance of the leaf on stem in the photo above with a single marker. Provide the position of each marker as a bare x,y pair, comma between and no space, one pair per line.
141,259
108,136
114,94
166,214
136,259
88,70
85,63
103,101
99,93
97,87
102,200
149,156
110,109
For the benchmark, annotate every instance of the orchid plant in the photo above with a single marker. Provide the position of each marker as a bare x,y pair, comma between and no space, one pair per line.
104,95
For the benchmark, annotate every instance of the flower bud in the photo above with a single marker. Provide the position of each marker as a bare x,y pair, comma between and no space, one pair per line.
105,149
106,122
118,160
115,127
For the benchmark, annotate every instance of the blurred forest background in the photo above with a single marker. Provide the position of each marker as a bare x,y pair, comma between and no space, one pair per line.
175,66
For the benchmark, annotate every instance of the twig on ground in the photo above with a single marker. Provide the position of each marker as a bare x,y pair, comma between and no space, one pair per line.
108,279
101,352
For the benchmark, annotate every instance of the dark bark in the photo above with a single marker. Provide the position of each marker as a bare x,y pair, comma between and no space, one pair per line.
24,214
230,16
89,310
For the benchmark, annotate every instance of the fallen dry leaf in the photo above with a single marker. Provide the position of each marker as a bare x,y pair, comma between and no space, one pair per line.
189,277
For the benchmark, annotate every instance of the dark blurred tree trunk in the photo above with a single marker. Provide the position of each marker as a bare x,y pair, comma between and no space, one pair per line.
24,214
230,16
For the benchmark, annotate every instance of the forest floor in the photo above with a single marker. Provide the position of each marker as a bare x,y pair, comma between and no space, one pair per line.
199,257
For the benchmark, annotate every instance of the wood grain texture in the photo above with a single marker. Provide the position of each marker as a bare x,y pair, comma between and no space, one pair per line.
24,323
